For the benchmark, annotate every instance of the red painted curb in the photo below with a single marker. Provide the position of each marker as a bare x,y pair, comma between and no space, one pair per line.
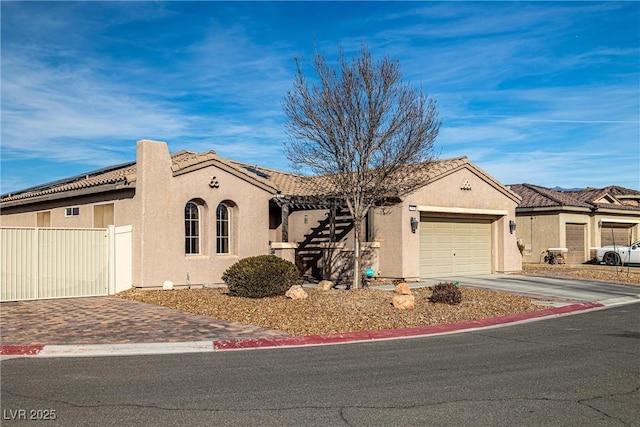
396,333
20,350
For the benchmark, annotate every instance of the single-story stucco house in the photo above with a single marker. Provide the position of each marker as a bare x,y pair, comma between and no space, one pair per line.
195,214
575,222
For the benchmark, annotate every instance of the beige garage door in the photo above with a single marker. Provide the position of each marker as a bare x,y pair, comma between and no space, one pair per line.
454,247
575,243
612,233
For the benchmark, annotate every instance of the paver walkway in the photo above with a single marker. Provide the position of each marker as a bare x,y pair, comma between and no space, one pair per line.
111,320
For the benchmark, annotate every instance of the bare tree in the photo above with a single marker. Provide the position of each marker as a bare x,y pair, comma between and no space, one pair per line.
369,135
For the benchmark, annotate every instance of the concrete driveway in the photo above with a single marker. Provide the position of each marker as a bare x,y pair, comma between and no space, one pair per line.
552,288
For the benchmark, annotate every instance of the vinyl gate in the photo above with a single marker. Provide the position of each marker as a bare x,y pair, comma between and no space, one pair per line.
39,263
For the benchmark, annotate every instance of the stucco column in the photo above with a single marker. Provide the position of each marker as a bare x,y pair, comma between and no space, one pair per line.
153,194
284,250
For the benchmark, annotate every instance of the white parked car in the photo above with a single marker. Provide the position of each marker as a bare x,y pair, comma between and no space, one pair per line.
619,254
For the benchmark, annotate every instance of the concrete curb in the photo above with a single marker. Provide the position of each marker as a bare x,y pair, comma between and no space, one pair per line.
92,350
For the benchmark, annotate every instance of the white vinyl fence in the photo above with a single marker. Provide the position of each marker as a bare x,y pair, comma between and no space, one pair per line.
39,263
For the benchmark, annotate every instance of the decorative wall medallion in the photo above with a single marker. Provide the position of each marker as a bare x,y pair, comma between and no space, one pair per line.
214,182
466,186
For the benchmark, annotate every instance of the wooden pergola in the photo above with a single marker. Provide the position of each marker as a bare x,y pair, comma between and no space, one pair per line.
331,203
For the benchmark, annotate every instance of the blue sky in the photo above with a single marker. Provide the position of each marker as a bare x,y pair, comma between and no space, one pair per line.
545,93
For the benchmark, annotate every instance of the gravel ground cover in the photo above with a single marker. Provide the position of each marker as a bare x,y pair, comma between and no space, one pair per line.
337,311
627,275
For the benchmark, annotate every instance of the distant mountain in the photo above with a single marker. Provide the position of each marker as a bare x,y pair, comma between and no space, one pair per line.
567,189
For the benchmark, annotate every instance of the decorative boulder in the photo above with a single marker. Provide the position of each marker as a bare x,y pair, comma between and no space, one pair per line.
403,289
404,302
296,292
325,285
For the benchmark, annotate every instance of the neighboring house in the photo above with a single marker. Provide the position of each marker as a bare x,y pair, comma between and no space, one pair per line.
195,214
576,220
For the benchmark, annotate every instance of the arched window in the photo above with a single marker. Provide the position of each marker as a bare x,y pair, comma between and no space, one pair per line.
191,229
223,229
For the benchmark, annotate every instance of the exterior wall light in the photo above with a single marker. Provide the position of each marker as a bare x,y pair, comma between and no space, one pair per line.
512,226
414,224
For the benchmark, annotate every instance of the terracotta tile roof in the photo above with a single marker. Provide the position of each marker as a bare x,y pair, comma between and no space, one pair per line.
112,175
182,161
534,196
124,173
613,192
286,183
445,166
296,185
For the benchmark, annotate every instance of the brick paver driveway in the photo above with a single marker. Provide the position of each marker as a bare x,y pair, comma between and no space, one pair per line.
111,320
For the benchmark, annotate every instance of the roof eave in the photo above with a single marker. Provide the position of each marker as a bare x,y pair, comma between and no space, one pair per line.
550,209
68,194
618,211
221,165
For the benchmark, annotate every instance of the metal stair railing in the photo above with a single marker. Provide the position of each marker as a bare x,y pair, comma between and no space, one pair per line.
310,251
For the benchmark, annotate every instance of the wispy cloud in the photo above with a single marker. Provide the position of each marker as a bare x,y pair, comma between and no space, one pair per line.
89,111
57,106
523,89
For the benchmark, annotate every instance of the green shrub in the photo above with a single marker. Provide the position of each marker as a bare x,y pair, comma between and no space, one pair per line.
447,293
261,276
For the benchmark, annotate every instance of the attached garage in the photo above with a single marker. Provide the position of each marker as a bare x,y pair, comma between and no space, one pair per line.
454,246
575,243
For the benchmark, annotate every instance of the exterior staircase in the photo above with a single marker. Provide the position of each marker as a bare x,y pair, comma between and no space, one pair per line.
310,251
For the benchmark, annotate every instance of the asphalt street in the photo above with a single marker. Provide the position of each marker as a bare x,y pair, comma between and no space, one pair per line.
581,369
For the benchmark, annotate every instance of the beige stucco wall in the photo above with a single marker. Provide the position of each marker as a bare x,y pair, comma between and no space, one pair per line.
301,223
26,219
390,230
163,198
26,216
538,233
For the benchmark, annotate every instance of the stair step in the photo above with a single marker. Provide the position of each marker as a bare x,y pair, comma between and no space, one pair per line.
326,233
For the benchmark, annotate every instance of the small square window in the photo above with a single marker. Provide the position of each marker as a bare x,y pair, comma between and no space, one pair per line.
74,211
